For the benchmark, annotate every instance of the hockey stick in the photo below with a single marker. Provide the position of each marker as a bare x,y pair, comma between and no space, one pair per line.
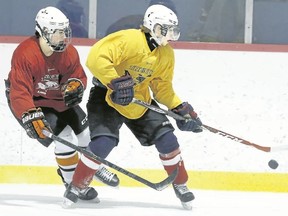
157,186
211,129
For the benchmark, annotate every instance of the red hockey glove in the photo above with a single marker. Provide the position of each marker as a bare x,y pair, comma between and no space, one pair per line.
34,122
72,92
192,121
123,92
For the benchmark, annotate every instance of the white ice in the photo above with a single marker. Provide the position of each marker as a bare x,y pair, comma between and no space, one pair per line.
45,200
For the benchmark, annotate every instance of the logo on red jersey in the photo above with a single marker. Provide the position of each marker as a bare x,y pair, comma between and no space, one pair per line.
48,83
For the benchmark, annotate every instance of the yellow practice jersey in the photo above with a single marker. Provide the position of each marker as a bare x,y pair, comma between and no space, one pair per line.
152,72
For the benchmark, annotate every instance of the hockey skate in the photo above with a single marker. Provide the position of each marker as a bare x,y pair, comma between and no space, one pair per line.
72,194
105,176
102,174
185,196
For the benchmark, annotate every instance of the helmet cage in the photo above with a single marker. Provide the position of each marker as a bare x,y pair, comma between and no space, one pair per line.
57,39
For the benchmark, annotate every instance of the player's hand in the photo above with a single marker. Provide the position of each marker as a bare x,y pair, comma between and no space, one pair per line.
72,92
192,121
123,92
34,122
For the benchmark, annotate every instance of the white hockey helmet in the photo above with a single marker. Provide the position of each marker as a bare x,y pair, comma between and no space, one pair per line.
54,27
162,23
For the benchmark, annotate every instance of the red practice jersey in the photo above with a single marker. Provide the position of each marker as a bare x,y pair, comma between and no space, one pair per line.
36,80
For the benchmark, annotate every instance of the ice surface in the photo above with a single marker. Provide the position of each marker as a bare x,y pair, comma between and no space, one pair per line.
45,200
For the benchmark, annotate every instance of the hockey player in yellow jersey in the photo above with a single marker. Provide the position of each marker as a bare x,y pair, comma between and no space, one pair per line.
130,64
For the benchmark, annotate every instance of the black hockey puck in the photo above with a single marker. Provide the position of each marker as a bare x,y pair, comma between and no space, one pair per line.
273,164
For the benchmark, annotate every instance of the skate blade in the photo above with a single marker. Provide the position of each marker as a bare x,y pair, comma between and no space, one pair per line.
67,204
187,205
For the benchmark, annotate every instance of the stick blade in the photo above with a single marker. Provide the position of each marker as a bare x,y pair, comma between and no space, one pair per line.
166,182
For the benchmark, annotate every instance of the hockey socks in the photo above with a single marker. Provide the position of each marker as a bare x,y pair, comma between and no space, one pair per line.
84,172
173,160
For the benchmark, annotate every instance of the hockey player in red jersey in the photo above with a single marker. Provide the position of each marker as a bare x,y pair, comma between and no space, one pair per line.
127,64
44,89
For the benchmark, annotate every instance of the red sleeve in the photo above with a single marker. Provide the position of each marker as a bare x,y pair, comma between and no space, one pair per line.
21,84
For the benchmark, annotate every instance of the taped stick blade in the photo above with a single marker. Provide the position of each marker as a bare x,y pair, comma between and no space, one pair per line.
166,182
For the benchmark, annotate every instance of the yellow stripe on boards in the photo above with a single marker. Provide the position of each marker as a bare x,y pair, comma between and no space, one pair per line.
207,180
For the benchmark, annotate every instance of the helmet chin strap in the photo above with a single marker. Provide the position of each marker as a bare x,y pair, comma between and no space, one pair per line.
45,47
48,43
44,37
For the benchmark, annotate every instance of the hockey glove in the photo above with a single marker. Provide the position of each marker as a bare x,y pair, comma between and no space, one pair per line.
72,92
123,92
192,121
34,122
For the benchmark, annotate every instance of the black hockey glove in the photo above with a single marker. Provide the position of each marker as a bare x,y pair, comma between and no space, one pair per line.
72,92
123,92
34,122
192,121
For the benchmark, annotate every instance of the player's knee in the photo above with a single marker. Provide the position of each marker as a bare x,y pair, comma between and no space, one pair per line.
102,145
167,143
66,134
83,138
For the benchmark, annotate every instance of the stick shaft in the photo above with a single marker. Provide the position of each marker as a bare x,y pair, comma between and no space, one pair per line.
157,186
211,129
